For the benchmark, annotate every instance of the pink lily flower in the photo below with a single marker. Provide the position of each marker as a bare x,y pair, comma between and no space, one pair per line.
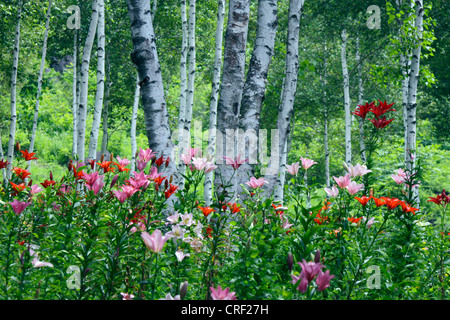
256,183
97,185
199,163
353,187
120,195
140,180
210,167
293,169
310,269
193,152
358,170
123,162
323,280
307,163
180,255
235,163
343,182
186,158
154,242
333,192
126,296
219,294
169,297
35,189
18,206
36,263
90,178
146,155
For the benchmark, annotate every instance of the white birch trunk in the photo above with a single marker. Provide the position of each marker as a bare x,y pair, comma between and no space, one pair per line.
12,128
348,118
255,86
105,111
84,74
228,108
412,92
75,92
145,57
133,125
362,146
289,89
325,125
191,77
214,98
182,140
39,84
99,95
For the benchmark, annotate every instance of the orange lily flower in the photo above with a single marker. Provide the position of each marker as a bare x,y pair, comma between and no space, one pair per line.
206,210
27,155
363,200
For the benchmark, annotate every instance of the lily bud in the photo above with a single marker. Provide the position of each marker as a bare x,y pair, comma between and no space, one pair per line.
111,157
317,256
171,179
290,261
102,158
30,183
114,180
17,146
167,161
51,176
183,290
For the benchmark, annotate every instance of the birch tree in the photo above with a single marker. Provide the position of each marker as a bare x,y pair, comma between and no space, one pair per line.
348,119
75,94
145,57
84,79
228,108
412,91
39,83
12,128
183,87
191,78
214,98
93,141
325,122
255,85
288,94
105,111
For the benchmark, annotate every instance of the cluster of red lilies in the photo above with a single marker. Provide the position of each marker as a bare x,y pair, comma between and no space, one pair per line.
390,203
378,111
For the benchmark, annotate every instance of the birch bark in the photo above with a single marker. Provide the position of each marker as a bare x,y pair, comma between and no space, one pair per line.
145,57
75,91
289,89
228,108
214,98
99,95
12,128
255,87
84,79
348,119
412,92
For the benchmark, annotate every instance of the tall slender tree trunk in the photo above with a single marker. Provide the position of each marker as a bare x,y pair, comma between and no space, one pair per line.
214,98
84,85
325,123
145,57
99,95
75,93
288,94
255,87
12,128
133,125
154,8
183,142
231,88
348,118
362,146
105,112
39,84
412,93
191,78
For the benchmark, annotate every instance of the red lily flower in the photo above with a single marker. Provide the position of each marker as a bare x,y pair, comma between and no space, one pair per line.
319,219
378,202
92,163
106,166
121,168
381,109
209,231
275,207
234,208
380,123
21,173
159,180
170,191
391,203
363,110
28,156
407,208
3,164
440,199
206,210
363,200
18,187
47,183
159,161
354,220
